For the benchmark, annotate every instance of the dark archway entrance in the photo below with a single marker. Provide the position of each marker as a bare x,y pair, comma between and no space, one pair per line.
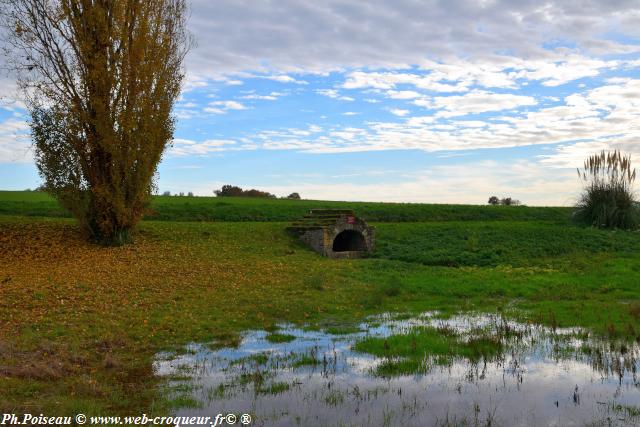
349,240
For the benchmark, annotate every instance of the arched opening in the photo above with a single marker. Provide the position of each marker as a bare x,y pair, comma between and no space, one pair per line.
349,240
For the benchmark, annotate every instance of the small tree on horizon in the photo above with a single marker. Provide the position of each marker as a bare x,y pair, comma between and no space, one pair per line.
99,80
494,200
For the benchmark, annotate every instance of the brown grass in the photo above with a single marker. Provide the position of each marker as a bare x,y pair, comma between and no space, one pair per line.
110,309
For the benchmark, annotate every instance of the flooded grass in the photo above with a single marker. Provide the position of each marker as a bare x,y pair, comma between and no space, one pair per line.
273,388
342,329
280,338
408,351
416,370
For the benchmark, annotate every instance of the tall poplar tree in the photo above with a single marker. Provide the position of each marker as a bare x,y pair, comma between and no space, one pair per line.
99,78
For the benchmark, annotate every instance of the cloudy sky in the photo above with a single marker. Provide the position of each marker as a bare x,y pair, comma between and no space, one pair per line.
418,101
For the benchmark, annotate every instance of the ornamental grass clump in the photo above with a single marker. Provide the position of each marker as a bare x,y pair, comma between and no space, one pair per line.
608,200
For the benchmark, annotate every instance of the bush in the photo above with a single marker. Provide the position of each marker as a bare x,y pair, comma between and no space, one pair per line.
294,196
608,200
494,200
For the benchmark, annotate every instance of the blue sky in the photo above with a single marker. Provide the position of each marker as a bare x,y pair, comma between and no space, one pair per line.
445,102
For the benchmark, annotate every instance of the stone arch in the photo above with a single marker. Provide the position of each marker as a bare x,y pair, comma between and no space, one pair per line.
349,241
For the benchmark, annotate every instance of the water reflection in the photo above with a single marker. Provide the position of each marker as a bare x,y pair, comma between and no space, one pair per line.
539,376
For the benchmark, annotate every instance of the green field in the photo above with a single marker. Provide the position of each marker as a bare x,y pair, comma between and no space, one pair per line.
173,208
81,324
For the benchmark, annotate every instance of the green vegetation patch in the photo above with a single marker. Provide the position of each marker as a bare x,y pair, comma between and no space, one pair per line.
342,329
279,338
273,388
415,351
175,208
254,359
305,359
514,243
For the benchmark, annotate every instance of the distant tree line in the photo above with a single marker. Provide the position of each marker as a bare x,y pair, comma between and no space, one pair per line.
235,191
506,201
180,194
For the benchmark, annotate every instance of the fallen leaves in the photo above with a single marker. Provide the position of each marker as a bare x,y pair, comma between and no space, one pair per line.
179,282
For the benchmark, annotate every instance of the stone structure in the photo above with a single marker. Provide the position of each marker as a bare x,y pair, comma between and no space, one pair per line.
335,233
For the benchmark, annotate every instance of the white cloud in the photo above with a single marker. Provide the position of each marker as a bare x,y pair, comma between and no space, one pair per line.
186,147
230,105
389,80
221,107
424,102
609,111
399,112
332,93
403,94
470,123
284,79
210,110
508,72
571,68
260,97
15,144
479,102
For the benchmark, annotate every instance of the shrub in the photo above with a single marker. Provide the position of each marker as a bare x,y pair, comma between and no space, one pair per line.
294,196
608,200
494,200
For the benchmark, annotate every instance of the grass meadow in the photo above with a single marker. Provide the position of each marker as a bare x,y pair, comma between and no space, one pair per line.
81,323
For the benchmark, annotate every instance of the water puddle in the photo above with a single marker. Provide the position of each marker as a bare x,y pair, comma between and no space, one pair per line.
421,371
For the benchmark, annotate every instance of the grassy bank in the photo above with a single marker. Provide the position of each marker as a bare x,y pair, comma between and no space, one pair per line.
80,323
170,208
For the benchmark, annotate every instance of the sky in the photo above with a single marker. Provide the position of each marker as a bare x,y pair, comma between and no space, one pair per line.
401,101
